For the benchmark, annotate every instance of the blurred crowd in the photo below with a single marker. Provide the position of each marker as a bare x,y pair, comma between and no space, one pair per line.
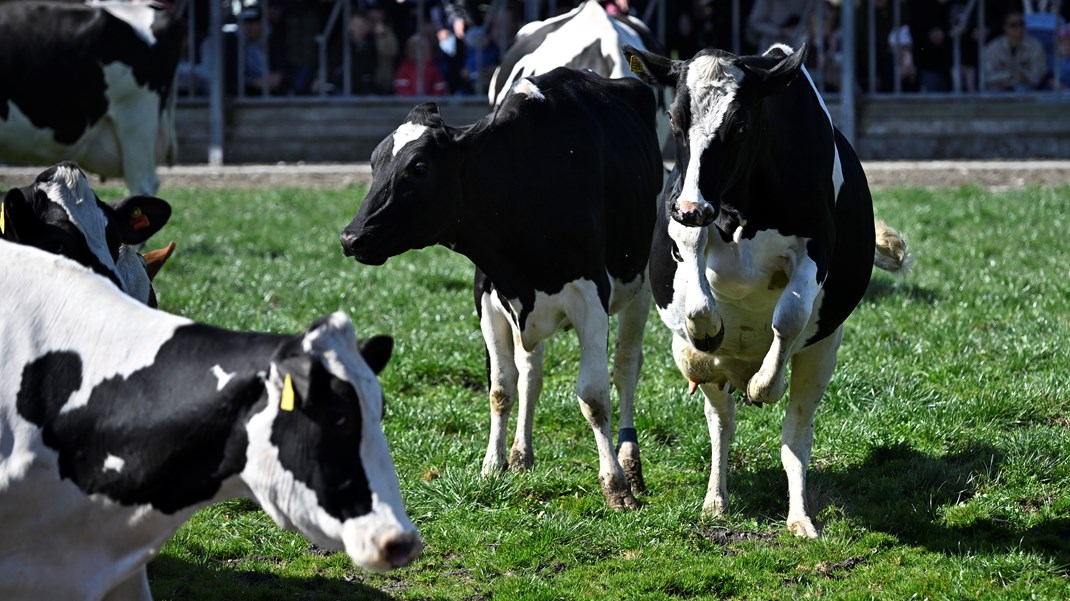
451,47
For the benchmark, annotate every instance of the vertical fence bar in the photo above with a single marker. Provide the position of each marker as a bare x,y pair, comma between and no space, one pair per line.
847,71
981,46
897,22
215,83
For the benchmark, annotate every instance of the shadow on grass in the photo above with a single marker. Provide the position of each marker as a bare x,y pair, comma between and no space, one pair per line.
903,492
882,287
172,578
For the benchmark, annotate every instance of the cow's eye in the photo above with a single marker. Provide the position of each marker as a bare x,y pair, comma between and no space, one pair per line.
419,169
741,130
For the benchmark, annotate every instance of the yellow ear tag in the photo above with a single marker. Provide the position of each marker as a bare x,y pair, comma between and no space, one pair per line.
634,64
3,227
287,403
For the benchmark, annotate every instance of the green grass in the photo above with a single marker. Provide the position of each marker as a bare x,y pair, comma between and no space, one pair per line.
939,468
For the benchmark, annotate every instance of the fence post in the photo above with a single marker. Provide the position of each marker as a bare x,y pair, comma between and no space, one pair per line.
215,83
847,72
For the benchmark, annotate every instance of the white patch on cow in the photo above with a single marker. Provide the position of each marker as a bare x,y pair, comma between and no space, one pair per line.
713,83
138,16
408,132
586,24
290,502
222,377
114,464
526,87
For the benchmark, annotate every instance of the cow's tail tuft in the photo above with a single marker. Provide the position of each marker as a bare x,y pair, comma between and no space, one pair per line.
891,252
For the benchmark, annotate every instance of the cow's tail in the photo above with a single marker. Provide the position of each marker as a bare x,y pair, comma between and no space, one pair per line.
891,252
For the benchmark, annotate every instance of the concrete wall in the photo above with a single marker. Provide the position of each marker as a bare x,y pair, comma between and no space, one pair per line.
905,128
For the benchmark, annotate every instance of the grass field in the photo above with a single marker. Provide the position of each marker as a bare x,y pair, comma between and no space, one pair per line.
939,469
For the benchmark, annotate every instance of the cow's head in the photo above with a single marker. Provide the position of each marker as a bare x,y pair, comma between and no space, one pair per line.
317,459
61,214
717,121
415,194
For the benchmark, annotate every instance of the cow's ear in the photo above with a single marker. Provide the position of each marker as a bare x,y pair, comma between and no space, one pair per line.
12,206
139,217
376,351
154,259
654,69
425,114
784,73
295,375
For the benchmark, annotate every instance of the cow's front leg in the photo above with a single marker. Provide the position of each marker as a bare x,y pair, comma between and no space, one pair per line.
134,588
790,317
721,419
592,327
811,370
502,376
627,361
529,366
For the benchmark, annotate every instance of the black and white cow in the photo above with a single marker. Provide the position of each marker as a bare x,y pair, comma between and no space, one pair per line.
553,198
93,84
61,213
118,422
764,245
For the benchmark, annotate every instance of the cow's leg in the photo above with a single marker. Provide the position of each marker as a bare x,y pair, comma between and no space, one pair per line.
627,361
498,336
134,588
135,121
591,320
790,317
529,366
811,370
721,420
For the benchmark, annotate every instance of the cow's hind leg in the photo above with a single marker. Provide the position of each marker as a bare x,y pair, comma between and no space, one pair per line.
134,588
627,362
811,370
502,375
721,419
529,366
591,320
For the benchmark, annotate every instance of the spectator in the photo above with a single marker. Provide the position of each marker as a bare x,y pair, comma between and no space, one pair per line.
255,70
930,25
417,53
483,56
300,21
1062,59
363,58
386,49
970,34
1014,61
773,21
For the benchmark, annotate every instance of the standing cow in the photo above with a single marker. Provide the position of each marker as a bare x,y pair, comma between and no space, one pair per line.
93,84
61,213
764,245
118,422
553,197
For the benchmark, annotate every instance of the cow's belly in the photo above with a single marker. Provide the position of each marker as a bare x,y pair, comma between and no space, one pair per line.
23,142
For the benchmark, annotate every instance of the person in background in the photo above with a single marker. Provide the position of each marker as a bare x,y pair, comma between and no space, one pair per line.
1062,59
386,49
363,58
482,57
417,51
298,24
773,21
1014,61
930,26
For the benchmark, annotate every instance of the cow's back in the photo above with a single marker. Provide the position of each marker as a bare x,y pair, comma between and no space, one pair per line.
584,154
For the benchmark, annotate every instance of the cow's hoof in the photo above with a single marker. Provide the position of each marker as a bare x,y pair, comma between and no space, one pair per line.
520,460
493,467
803,528
766,387
617,493
714,506
628,456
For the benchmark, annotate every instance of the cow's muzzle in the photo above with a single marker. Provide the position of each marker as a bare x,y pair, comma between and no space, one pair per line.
356,246
692,214
703,338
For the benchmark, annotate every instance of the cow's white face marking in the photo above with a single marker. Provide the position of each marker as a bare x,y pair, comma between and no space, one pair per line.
222,377
526,87
408,132
114,464
69,189
712,83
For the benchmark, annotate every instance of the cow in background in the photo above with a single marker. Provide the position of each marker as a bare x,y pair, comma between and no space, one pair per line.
61,214
553,197
93,84
119,422
765,243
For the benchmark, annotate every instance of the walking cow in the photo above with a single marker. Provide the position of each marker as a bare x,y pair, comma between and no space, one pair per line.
764,245
118,422
553,197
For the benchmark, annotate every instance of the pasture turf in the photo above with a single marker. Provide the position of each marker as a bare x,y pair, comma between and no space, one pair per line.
939,467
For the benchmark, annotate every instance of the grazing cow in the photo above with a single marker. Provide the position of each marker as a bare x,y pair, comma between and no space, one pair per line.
764,245
93,84
553,198
60,213
118,422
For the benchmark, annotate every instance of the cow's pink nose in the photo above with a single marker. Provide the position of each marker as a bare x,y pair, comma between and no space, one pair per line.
693,214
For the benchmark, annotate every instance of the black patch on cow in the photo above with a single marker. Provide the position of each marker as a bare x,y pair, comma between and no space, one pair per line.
591,57
48,50
178,436
326,417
